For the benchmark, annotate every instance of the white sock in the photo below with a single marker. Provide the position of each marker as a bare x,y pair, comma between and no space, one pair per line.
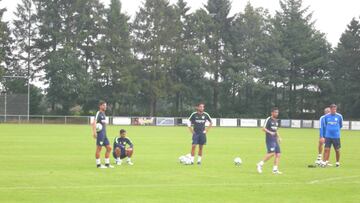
261,163
319,156
118,159
199,158
98,161
128,159
275,168
192,159
107,161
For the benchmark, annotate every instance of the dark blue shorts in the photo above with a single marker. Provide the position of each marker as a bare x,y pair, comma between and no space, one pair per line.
273,147
332,141
122,153
101,139
199,139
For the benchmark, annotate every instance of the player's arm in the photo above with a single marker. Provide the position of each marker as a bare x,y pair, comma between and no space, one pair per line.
131,145
341,122
189,123
210,123
93,125
321,129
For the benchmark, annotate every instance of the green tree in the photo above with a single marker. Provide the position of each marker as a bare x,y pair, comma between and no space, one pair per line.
153,28
307,52
116,81
345,73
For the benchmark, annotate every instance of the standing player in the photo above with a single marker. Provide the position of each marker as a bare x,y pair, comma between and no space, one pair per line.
101,138
272,141
322,136
332,123
120,150
198,120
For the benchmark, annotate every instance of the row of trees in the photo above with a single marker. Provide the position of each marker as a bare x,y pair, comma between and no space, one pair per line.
167,59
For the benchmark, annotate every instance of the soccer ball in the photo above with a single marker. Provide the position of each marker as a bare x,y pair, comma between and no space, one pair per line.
98,127
237,161
187,161
181,159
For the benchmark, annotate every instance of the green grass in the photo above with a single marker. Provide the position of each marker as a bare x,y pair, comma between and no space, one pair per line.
55,163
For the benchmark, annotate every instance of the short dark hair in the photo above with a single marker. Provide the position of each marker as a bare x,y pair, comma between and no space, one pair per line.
333,105
101,102
122,131
274,109
200,103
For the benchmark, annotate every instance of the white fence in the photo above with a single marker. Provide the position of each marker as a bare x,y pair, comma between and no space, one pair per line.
166,121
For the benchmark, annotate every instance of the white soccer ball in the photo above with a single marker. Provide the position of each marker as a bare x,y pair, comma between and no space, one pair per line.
181,159
98,127
237,161
187,161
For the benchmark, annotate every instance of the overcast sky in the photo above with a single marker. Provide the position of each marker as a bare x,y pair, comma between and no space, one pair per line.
331,16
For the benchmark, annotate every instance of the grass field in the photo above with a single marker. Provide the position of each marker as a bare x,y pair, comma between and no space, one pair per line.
55,163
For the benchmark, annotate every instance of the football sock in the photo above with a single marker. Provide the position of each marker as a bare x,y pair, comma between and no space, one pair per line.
275,168
98,162
107,161
192,159
128,159
261,163
199,158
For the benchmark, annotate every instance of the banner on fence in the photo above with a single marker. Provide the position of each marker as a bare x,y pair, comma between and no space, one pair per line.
355,125
121,121
142,121
296,123
285,123
228,122
164,121
249,123
307,123
346,125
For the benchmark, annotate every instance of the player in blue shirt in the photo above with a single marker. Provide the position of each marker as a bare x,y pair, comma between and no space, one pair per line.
198,120
272,141
123,147
322,136
332,124
101,138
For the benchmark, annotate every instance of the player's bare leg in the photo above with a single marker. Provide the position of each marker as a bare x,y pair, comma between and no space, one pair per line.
326,156
320,149
200,154
193,148
265,159
117,154
129,153
337,152
97,156
107,156
276,163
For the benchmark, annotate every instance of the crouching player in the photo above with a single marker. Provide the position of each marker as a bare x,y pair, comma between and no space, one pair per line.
123,148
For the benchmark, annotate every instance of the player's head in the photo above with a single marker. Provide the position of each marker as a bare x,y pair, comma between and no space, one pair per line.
275,112
327,110
102,105
122,133
200,107
333,108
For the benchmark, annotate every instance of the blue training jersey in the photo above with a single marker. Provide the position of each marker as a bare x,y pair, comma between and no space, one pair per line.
332,125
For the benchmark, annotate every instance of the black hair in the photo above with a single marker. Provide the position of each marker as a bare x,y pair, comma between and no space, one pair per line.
200,103
122,131
274,109
101,102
